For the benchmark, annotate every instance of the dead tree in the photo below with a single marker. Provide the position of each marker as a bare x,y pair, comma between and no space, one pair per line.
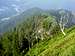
63,21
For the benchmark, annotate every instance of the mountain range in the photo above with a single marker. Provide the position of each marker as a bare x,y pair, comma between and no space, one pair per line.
10,22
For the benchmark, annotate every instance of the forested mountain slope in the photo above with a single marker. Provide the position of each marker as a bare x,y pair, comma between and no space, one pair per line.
20,39
58,45
40,35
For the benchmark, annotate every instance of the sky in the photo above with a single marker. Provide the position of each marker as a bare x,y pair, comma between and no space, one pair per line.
56,4
12,7
20,5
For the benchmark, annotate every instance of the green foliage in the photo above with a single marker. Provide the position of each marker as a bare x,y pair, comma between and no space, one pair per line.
58,46
23,37
50,24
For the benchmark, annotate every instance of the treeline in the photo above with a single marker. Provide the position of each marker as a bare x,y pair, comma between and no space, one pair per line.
19,40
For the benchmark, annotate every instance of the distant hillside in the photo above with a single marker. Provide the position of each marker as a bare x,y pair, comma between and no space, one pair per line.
17,19
7,13
70,17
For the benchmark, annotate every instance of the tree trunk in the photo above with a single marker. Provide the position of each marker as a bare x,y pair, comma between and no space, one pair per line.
62,26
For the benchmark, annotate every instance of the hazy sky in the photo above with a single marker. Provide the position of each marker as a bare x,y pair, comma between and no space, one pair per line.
44,4
49,4
12,7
